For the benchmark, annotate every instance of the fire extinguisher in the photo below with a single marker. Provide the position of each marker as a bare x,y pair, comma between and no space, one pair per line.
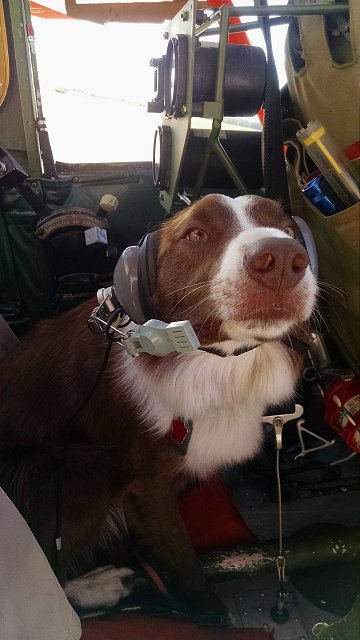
342,410
340,391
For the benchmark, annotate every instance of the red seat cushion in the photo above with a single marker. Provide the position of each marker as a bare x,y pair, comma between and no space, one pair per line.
211,519
131,627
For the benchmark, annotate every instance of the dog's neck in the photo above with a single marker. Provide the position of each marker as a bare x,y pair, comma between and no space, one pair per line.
290,341
218,395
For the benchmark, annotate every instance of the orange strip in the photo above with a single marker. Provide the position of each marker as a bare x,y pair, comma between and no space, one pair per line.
40,11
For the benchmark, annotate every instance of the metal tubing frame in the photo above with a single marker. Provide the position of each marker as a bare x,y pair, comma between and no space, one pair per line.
291,10
223,16
228,165
248,26
212,144
305,550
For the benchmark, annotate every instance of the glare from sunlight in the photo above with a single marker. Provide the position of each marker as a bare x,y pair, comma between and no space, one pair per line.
95,84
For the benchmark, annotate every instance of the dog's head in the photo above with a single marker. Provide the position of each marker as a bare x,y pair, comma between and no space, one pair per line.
235,268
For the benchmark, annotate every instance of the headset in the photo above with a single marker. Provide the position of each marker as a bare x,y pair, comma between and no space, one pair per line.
135,273
135,278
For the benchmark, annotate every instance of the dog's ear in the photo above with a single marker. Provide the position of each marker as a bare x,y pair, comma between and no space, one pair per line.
135,278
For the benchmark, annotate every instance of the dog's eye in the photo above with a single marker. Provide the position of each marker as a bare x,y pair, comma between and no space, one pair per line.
196,235
290,231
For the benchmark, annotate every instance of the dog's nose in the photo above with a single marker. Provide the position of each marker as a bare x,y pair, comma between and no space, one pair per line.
277,262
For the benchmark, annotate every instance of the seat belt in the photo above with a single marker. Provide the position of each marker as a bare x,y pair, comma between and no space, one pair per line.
275,180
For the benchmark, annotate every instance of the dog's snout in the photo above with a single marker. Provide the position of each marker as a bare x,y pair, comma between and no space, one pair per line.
277,262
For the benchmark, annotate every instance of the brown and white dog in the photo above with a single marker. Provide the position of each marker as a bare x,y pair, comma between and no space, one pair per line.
234,268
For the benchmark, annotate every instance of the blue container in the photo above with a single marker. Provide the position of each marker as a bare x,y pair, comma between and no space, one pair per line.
319,193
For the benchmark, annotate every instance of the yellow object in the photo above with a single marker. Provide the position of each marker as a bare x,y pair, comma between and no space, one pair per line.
4,57
331,161
315,137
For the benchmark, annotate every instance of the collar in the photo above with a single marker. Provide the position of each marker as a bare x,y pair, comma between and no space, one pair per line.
288,341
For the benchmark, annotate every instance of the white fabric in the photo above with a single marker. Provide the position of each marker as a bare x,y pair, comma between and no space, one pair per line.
33,605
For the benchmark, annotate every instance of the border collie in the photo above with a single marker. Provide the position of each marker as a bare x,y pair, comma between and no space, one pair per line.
235,269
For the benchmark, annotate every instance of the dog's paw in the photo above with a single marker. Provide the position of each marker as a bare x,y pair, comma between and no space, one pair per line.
103,587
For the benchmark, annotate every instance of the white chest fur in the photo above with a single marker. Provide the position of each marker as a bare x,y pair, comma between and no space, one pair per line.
224,397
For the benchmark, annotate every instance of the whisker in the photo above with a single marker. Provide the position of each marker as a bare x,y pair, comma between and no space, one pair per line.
216,317
194,306
188,286
320,319
186,295
207,318
327,285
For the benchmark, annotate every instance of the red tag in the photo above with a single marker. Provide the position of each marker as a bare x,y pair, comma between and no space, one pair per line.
181,433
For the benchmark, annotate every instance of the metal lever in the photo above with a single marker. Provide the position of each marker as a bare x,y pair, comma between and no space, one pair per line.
279,420
278,612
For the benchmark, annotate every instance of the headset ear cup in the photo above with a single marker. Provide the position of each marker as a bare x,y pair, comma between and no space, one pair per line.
147,273
309,243
135,278
126,284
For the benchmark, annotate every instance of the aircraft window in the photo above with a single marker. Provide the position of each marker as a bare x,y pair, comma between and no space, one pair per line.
95,83
295,47
338,35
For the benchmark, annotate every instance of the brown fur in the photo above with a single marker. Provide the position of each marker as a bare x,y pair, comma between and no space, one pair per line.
113,461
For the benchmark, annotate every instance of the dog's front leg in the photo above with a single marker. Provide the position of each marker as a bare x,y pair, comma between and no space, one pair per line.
156,526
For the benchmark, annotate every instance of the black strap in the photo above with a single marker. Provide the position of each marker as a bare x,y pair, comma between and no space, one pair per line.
275,181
